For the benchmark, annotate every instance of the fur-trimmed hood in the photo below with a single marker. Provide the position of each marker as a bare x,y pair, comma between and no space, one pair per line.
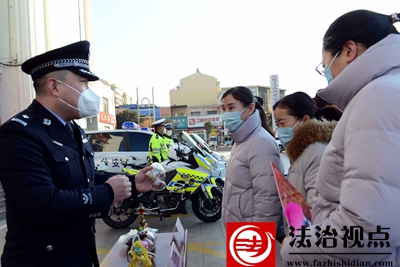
311,132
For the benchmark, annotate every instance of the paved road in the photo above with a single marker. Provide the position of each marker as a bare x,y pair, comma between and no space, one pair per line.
206,241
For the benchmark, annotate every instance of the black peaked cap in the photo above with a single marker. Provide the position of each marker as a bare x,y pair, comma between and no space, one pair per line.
73,57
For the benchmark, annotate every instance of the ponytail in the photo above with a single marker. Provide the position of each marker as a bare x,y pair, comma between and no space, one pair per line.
326,110
263,118
331,113
319,114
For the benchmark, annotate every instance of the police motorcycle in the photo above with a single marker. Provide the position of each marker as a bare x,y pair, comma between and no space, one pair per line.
205,147
187,153
181,184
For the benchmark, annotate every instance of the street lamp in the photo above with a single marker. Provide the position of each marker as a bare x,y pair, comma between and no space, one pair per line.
148,103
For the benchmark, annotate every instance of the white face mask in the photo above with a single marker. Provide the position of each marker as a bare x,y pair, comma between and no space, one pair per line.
164,131
88,102
169,133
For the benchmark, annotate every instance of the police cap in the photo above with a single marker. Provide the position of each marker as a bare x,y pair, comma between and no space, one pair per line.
73,57
159,122
168,125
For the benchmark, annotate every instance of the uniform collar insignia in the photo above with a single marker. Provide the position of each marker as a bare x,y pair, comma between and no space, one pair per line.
46,121
25,116
57,143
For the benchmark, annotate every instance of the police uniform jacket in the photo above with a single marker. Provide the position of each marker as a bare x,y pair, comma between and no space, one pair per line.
52,192
157,148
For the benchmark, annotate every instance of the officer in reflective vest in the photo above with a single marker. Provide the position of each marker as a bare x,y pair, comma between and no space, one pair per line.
158,150
168,135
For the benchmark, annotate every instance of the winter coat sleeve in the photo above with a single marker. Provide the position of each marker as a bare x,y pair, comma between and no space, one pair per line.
369,192
267,206
311,159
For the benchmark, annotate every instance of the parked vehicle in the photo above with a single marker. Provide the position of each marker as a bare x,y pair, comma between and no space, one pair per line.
205,147
228,141
182,184
181,156
120,144
217,168
213,141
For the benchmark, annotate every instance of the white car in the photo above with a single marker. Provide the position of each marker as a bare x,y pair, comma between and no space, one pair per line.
115,146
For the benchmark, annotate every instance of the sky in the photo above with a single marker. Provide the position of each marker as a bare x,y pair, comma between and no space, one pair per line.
148,44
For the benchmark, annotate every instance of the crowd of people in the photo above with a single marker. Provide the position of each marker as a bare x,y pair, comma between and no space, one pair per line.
356,187
342,146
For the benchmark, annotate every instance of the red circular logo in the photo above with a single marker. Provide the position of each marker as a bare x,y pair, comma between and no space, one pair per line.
249,245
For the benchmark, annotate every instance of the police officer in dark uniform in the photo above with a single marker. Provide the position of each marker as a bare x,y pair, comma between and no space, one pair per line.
52,191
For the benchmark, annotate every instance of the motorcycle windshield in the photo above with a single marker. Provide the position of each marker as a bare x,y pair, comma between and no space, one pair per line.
203,143
189,140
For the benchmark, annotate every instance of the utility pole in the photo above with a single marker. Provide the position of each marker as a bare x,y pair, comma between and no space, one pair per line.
154,111
137,104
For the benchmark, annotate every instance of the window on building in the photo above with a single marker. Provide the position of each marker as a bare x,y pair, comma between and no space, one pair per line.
211,112
195,113
105,105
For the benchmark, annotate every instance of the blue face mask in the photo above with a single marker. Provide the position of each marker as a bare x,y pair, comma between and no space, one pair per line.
233,120
286,134
327,70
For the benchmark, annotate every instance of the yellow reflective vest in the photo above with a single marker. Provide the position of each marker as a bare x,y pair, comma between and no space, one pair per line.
158,150
168,141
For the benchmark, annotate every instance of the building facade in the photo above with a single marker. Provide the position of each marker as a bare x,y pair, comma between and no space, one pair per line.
29,28
196,99
195,90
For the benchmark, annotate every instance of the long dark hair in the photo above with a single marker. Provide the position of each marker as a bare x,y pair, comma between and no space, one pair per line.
300,104
329,111
361,26
245,96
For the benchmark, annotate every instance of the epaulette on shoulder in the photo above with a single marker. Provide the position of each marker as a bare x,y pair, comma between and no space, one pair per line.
23,118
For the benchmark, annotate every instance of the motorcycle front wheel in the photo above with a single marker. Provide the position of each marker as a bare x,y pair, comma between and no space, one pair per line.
119,218
207,210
